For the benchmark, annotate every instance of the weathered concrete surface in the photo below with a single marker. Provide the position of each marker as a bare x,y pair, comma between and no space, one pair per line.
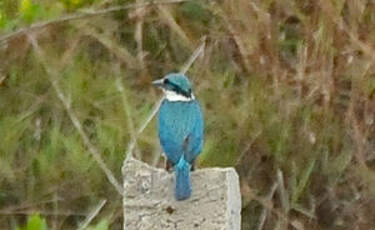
149,201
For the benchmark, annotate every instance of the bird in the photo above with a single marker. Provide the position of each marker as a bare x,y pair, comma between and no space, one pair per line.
181,129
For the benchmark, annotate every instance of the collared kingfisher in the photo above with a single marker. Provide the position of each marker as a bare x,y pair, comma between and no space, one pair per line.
180,129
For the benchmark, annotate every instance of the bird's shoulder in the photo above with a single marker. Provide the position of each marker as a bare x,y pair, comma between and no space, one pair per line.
180,106
181,113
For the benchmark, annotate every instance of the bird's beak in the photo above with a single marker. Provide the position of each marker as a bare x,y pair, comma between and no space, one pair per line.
158,83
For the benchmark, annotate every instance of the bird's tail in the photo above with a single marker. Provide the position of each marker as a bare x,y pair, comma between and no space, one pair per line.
183,183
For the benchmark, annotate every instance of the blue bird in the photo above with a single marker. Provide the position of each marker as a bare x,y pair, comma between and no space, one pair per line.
180,129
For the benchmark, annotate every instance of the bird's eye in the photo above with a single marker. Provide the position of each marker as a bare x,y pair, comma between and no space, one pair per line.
166,81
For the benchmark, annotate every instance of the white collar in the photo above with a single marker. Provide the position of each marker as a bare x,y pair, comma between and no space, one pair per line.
173,96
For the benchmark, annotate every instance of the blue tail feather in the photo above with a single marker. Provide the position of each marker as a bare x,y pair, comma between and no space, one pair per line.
183,183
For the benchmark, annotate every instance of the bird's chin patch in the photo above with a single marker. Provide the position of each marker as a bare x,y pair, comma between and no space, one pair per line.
173,96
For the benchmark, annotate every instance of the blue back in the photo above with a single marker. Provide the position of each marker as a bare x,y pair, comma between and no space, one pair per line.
181,129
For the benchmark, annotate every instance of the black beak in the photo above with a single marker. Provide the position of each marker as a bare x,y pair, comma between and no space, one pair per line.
158,83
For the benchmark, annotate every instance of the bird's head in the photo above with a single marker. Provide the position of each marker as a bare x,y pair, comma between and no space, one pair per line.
176,87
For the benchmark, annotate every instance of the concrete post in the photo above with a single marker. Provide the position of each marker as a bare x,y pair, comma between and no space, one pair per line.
149,201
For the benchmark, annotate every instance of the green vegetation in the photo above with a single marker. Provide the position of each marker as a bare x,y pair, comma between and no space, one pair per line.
287,87
35,222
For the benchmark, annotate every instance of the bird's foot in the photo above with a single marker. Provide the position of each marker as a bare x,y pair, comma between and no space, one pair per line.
192,167
168,166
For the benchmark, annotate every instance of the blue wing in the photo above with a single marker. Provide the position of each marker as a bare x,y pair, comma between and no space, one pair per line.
181,130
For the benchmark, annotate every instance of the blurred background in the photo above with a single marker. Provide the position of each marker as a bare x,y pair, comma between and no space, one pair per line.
287,89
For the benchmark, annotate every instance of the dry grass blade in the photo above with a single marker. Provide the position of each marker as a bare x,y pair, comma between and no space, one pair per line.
86,14
284,198
297,225
130,122
248,146
267,204
138,34
41,212
198,52
119,51
263,216
65,101
233,24
2,79
283,193
328,7
92,215
173,24
133,142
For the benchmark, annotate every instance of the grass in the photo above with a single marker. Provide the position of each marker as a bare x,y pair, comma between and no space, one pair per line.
287,89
